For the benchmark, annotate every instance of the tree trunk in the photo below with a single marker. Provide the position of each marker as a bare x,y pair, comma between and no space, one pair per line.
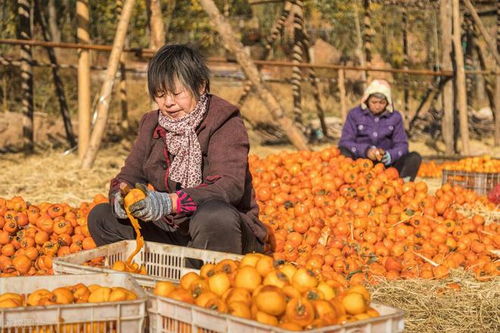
489,86
55,32
276,31
82,34
447,126
24,32
168,17
297,58
230,43
461,91
359,45
107,86
367,34
58,84
156,26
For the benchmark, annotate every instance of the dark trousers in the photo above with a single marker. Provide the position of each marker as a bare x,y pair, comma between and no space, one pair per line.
216,226
407,165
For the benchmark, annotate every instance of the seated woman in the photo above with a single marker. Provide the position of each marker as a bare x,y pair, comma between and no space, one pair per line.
193,150
375,130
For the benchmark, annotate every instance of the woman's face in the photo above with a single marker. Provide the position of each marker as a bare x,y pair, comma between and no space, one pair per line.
377,105
176,104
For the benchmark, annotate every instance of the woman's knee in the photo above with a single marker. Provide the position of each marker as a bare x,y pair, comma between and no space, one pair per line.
216,216
415,158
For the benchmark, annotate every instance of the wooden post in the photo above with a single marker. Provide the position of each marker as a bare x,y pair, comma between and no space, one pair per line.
343,102
82,33
487,38
156,25
447,125
107,86
233,45
58,83
461,91
24,32
122,84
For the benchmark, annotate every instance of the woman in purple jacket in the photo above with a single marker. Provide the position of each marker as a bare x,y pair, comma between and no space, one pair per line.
194,151
375,130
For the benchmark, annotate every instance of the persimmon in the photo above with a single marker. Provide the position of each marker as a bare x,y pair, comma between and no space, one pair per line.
247,277
219,283
271,300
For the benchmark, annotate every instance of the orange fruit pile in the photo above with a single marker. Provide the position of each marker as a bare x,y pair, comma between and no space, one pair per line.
353,220
271,292
471,164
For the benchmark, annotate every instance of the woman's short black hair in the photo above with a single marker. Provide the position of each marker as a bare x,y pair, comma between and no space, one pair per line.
177,62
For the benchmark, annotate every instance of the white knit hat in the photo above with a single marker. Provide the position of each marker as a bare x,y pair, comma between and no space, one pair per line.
381,87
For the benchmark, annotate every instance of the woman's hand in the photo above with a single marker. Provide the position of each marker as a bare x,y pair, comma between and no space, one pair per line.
375,154
153,207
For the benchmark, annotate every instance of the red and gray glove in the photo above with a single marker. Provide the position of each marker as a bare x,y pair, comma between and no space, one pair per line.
153,207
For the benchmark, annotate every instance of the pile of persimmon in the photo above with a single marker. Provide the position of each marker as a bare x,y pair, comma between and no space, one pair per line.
31,235
352,220
75,294
271,292
471,164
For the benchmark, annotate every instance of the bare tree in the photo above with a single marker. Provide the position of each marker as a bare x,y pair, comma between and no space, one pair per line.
233,45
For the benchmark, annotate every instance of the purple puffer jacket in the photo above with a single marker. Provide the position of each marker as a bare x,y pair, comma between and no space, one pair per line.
363,130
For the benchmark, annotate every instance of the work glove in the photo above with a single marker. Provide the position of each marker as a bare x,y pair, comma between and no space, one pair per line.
117,205
153,207
386,159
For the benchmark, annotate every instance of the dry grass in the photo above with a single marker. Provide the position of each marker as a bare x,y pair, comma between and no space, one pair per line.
431,306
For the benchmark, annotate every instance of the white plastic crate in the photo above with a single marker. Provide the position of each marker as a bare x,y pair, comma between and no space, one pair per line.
171,316
162,261
106,317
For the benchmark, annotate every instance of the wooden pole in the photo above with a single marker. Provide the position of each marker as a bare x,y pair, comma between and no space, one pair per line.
122,84
82,33
256,62
58,83
359,44
156,25
461,91
487,38
343,99
367,34
107,86
233,45
24,32
497,83
297,58
447,125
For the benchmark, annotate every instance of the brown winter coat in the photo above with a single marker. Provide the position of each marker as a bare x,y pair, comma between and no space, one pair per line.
224,145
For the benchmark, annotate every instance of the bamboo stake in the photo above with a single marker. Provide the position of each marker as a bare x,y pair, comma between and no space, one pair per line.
82,33
461,92
233,45
107,87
